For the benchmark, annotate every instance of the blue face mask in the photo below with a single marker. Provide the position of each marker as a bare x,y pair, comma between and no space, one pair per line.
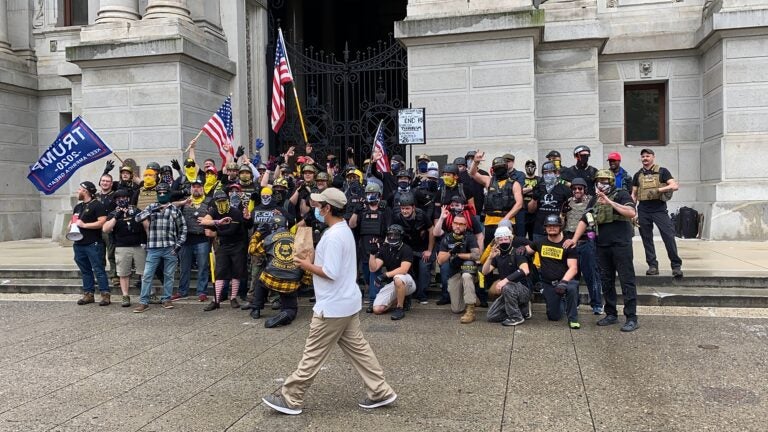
395,166
423,166
318,216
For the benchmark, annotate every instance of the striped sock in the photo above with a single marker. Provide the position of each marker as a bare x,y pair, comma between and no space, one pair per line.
234,286
219,286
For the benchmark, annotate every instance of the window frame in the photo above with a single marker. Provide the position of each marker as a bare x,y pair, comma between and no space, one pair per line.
68,13
662,138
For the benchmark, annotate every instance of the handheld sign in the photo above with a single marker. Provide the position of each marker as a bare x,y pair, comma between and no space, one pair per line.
410,126
77,145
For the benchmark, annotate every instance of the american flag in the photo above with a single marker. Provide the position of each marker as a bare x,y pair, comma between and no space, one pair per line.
281,75
221,131
378,146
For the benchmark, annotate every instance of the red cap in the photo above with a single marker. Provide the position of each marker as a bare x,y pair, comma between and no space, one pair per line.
614,156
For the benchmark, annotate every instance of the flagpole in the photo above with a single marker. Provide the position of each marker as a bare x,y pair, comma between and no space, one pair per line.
373,145
293,86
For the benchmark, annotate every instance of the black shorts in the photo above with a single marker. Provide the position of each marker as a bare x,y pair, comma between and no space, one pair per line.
230,262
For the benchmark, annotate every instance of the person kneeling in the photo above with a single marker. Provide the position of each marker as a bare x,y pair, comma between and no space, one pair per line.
395,284
461,252
559,267
513,295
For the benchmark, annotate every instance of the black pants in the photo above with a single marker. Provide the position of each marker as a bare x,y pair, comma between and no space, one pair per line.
613,259
667,231
289,303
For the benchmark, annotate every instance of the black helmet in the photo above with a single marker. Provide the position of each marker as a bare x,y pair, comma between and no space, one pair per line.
165,169
153,166
460,161
279,221
582,148
406,199
219,195
89,186
530,162
553,154
548,166
499,162
395,234
578,181
162,187
403,173
553,219
451,169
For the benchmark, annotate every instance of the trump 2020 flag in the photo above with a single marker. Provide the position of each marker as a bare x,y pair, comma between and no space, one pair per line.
77,145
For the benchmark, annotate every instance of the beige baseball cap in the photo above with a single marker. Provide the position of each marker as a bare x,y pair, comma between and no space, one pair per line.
332,196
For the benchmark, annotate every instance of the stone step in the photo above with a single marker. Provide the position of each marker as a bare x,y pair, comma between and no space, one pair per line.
647,295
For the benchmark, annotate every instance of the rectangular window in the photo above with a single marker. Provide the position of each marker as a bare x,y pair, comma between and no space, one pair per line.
645,114
75,12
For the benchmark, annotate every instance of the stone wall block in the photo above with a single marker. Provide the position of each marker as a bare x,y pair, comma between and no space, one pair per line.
684,132
566,105
746,97
469,52
684,109
447,127
711,160
611,91
713,79
747,71
441,103
500,126
500,100
192,96
500,75
712,57
747,122
611,114
713,126
612,135
565,60
630,70
102,120
685,66
155,95
566,128
746,47
685,88
439,79
608,71
117,141
131,75
567,82
106,98
156,138
713,102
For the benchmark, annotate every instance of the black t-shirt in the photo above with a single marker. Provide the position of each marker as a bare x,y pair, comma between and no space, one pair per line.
88,213
508,263
548,203
393,257
652,206
416,229
554,259
473,189
107,200
127,231
618,232
448,242
588,174
234,233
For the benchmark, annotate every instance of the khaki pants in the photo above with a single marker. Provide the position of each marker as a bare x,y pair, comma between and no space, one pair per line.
461,288
323,334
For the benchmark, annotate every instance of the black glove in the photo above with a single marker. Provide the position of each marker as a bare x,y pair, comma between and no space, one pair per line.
457,248
175,164
374,247
455,261
561,287
185,190
240,152
110,165
382,279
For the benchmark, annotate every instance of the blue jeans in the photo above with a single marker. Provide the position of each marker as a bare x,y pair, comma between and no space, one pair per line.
154,257
89,259
188,253
588,269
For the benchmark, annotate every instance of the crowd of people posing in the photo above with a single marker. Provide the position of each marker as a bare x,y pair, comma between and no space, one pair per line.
502,233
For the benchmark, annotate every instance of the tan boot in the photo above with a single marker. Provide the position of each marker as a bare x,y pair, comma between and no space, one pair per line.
86,299
105,299
469,315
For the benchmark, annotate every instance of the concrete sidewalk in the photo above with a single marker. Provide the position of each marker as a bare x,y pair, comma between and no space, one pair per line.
90,368
701,258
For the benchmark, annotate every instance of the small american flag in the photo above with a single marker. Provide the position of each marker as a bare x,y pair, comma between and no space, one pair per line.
281,75
221,130
378,146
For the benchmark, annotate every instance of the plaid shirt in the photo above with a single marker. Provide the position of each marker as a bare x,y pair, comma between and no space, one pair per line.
167,227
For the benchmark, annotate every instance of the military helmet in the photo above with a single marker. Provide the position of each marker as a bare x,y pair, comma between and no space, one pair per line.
548,166
451,169
460,161
153,166
232,166
578,181
219,195
499,162
372,188
553,219
322,176
281,182
308,167
605,174
245,167
406,199
395,234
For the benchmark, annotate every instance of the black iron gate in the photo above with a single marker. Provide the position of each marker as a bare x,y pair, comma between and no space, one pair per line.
343,100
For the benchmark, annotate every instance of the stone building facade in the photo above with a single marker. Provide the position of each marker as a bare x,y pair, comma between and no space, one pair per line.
492,74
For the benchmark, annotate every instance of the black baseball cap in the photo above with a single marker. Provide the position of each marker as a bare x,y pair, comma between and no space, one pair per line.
647,150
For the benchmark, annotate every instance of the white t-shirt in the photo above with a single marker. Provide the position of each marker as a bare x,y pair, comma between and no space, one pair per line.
338,296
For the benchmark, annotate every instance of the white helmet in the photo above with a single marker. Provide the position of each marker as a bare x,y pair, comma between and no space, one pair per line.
502,231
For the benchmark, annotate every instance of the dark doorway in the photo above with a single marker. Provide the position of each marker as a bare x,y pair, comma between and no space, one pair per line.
349,71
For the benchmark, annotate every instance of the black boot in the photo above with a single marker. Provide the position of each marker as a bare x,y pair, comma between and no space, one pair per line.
256,313
211,306
278,320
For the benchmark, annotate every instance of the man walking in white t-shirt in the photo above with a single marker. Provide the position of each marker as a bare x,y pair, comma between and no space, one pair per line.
335,318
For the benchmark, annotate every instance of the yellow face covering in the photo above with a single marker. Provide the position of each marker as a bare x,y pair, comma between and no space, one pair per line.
191,173
210,182
197,201
149,179
449,181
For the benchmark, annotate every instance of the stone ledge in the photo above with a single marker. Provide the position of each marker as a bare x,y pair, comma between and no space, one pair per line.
529,21
89,53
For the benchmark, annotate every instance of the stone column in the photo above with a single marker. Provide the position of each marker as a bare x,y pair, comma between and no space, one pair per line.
5,46
176,9
111,11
